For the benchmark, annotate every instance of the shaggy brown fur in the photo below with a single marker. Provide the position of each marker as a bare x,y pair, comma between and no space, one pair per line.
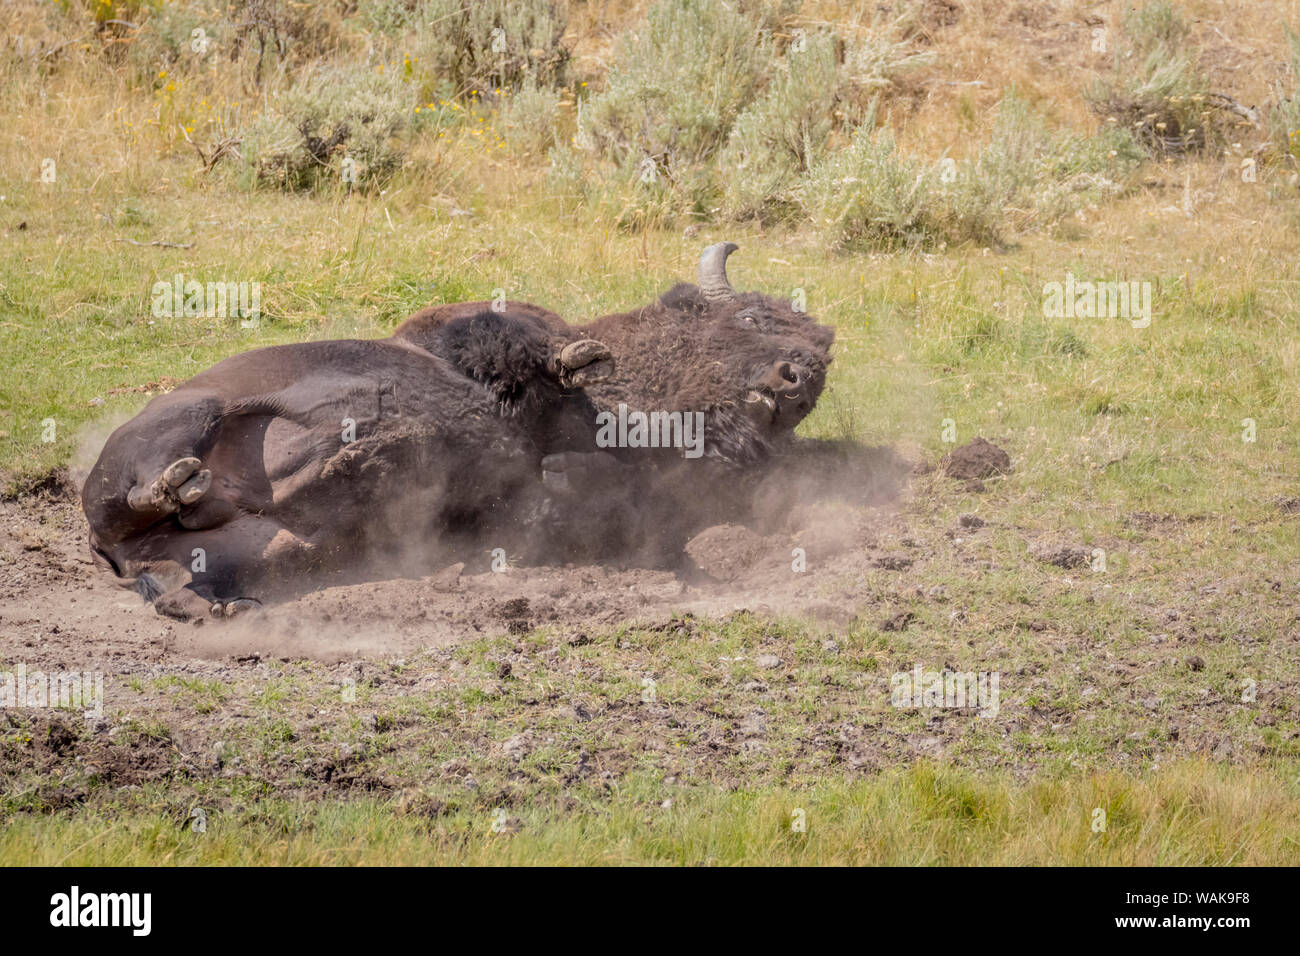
750,363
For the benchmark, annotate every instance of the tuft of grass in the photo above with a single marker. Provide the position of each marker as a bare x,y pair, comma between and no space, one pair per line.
782,133
871,196
338,125
481,46
1155,89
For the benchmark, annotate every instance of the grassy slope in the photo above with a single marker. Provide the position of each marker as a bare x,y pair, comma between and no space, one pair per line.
1103,422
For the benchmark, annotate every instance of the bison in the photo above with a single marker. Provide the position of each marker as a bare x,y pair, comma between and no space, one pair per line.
289,467
283,466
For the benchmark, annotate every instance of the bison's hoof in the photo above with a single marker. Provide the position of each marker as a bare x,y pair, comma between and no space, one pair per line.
236,606
195,488
174,475
576,472
585,362
558,482
181,483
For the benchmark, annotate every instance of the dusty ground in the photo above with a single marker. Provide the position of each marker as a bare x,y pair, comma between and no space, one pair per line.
556,683
62,612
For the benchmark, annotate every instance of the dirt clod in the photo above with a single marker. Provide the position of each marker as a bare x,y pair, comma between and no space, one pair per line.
1062,555
898,622
975,460
726,551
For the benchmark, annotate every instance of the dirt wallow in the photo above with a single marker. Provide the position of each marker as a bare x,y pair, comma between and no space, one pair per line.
481,689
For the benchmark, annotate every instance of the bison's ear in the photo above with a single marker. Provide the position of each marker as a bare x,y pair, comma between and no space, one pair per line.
824,336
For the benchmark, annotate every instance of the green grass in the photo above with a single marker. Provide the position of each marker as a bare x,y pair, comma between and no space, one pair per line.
1185,815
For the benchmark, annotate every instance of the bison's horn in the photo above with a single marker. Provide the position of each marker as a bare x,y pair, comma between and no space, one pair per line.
713,272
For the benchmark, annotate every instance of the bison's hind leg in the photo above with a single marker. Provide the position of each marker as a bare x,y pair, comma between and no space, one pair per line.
188,605
183,604
182,483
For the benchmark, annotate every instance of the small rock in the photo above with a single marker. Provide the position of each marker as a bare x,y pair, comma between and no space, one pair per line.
755,725
448,579
580,712
1196,663
768,661
517,747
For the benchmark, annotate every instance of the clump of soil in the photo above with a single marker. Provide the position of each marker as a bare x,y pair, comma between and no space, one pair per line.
516,613
726,551
975,460
67,757
55,483
1062,555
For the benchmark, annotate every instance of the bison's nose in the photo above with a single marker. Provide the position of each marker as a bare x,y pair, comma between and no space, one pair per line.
785,377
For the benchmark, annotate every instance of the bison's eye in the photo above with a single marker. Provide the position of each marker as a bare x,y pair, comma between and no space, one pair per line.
747,319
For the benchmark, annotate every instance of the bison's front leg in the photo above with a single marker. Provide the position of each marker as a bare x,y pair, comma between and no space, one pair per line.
584,475
604,509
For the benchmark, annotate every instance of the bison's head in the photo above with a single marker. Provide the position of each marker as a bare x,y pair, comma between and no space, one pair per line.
750,362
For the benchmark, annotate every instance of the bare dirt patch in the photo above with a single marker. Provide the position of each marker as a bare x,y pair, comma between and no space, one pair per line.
489,689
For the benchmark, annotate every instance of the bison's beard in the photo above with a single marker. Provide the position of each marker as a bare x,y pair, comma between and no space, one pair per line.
733,434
